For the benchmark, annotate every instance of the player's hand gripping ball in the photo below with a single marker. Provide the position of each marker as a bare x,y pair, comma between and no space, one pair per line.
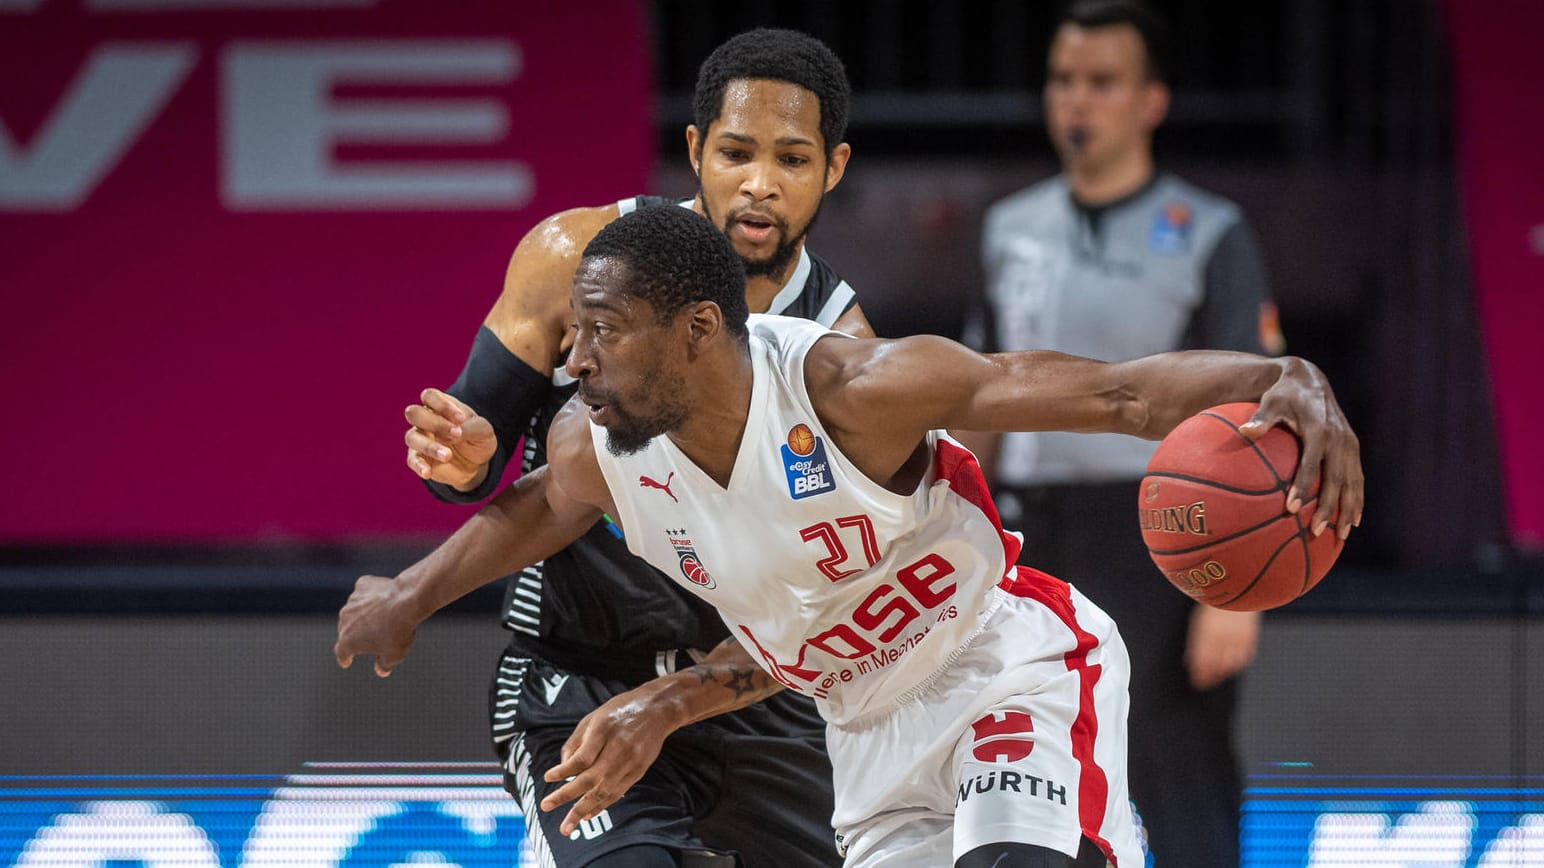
1213,510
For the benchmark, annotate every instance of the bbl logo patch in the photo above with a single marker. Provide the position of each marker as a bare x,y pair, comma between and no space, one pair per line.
804,460
691,565
1171,229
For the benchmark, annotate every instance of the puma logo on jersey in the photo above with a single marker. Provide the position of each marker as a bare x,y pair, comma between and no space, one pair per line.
646,482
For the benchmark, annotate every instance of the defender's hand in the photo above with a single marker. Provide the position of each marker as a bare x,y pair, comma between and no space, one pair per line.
448,442
1302,401
1219,644
609,751
375,621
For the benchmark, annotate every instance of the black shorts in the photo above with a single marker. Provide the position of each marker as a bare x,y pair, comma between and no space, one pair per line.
756,782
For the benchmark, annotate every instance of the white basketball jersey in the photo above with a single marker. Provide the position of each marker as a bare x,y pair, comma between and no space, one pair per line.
842,589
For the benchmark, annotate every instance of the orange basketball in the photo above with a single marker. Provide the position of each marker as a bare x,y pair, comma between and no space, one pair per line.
1214,517
801,441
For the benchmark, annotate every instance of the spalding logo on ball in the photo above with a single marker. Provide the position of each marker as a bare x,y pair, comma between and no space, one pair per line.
1213,513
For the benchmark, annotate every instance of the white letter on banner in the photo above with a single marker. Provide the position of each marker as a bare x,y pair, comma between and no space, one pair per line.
1438,835
1519,846
120,832
292,832
105,109
281,125
480,816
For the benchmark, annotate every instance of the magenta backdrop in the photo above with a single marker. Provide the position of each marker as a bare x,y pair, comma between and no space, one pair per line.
208,336
1499,85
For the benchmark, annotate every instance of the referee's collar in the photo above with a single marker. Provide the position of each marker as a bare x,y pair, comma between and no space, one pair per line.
1094,211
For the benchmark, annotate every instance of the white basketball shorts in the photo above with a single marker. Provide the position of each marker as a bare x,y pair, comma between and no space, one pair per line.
1022,738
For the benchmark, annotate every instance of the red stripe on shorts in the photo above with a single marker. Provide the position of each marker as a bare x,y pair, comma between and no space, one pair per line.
1093,786
956,464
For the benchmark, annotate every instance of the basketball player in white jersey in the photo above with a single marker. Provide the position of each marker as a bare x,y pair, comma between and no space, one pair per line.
795,479
592,621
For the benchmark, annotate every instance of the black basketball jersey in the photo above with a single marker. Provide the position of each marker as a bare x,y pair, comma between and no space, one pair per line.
594,607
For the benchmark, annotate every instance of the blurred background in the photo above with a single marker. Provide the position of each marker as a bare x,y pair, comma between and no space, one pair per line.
238,236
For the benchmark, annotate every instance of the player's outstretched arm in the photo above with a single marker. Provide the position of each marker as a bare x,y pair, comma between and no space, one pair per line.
460,440
889,391
516,529
616,743
1176,386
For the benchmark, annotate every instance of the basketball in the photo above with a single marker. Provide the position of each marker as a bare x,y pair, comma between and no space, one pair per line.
1214,517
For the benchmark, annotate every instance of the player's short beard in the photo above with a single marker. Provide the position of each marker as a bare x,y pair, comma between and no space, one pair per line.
773,265
629,433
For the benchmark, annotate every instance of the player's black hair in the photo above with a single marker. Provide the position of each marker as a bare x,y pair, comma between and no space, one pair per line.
1154,30
675,257
779,55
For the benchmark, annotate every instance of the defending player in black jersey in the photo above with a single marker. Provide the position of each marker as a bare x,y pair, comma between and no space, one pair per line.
593,622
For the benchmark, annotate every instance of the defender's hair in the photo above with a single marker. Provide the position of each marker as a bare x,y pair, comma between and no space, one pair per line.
779,55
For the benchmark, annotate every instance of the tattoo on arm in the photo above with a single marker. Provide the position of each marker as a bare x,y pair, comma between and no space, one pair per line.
746,680
742,680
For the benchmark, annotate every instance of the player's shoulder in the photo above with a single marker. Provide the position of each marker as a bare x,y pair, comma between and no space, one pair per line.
815,291
1208,206
869,388
823,280
1036,197
785,333
822,273
567,232
1039,210
795,342
539,275
571,459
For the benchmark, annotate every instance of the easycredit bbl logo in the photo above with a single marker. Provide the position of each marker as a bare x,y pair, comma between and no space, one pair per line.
805,463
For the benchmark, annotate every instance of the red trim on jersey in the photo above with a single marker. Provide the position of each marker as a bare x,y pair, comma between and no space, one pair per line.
1093,786
955,463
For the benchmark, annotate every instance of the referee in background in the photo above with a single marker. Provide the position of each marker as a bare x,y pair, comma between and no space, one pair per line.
1113,259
